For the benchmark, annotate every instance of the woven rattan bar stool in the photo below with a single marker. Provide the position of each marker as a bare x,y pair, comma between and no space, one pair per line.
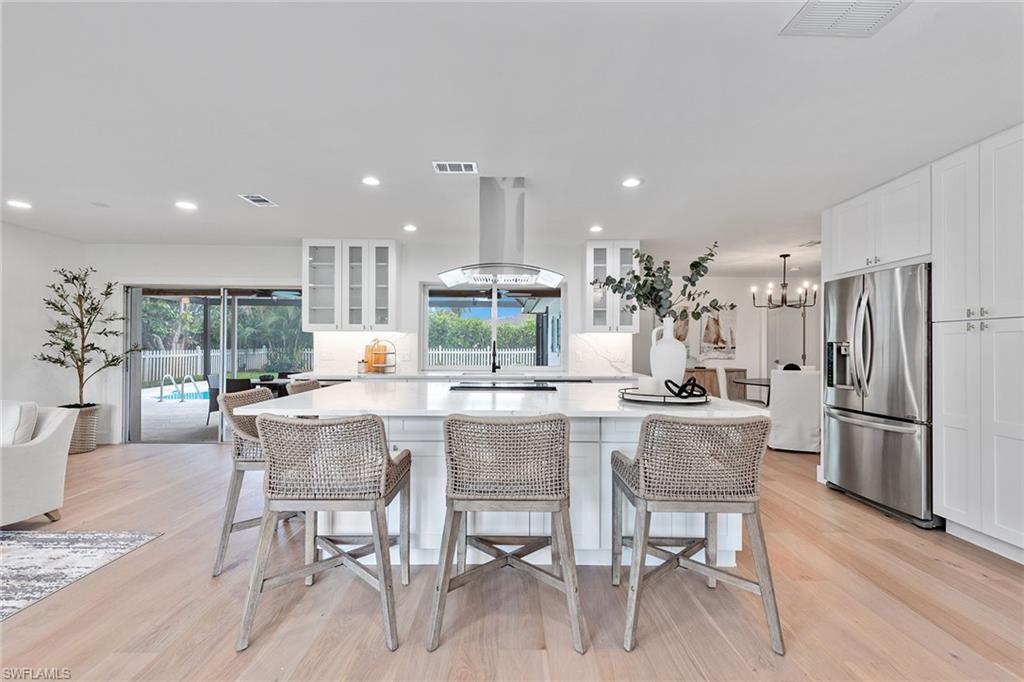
692,465
332,465
247,456
301,386
511,464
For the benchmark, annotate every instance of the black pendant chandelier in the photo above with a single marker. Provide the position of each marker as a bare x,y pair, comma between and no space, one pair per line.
806,296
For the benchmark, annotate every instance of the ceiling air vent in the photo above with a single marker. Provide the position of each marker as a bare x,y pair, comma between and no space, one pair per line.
257,200
843,18
455,167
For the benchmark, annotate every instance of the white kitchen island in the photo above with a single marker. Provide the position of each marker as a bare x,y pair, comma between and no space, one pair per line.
600,423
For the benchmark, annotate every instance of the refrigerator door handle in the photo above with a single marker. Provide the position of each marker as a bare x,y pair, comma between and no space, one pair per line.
908,430
856,340
867,358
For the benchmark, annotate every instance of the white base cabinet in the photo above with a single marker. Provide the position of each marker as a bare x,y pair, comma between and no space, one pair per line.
978,423
592,441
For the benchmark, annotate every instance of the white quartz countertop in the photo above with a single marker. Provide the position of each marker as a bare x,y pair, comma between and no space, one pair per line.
466,375
434,399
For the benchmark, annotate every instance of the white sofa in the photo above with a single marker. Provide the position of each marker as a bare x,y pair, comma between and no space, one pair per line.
32,472
795,410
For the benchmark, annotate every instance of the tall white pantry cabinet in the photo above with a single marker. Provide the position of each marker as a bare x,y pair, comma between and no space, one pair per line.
977,254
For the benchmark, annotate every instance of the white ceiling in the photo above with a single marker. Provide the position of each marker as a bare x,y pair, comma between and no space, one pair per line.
741,135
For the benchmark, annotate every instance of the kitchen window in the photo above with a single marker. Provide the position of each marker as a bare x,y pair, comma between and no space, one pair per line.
462,323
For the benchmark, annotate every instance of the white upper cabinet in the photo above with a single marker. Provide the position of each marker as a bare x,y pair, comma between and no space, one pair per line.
369,285
888,224
603,310
955,279
903,227
851,240
349,285
321,285
1002,224
978,230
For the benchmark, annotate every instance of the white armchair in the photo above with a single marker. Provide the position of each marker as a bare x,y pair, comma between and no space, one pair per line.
795,410
32,473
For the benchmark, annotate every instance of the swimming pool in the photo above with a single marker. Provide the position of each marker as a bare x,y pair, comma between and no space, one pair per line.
189,395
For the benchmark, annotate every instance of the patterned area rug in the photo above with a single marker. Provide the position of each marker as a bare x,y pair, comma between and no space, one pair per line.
35,565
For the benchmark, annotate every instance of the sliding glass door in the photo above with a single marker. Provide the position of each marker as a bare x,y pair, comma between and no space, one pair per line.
197,343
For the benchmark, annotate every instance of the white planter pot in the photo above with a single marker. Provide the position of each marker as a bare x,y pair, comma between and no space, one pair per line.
668,356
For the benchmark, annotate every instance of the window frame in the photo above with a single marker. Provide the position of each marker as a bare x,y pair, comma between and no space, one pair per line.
424,342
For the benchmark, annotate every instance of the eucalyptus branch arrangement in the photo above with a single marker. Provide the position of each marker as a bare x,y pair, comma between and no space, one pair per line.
651,288
80,317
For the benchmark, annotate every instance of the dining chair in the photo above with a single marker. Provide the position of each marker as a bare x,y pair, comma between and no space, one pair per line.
692,465
301,386
213,390
332,465
236,385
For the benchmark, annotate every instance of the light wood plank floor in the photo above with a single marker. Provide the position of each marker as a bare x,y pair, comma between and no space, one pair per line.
861,596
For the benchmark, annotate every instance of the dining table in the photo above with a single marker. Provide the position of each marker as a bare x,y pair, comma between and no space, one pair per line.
759,382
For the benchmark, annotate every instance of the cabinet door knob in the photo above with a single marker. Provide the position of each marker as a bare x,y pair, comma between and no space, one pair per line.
984,326
867,261
970,313
970,326
982,311
877,259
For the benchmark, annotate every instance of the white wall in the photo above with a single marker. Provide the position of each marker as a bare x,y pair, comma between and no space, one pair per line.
27,260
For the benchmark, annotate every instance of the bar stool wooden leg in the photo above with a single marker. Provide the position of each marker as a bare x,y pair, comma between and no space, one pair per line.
764,578
711,543
616,533
556,554
230,507
310,531
636,571
259,570
403,531
452,521
382,549
463,532
562,532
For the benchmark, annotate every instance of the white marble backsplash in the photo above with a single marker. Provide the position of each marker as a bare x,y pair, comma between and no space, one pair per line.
590,354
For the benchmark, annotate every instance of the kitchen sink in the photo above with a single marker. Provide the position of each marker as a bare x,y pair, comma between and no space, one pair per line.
501,386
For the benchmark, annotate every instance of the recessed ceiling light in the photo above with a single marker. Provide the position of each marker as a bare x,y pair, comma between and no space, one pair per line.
632,182
371,181
409,228
596,228
18,203
186,205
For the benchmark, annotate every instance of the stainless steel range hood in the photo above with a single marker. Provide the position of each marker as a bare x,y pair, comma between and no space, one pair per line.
502,228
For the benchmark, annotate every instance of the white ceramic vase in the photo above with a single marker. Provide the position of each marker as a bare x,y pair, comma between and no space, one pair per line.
668,356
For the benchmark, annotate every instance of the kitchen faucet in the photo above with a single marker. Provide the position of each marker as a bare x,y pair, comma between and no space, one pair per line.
494,357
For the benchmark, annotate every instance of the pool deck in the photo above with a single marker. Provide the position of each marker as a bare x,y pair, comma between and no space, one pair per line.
175,420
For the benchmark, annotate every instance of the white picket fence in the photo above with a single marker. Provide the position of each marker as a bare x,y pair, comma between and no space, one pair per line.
479,357
180,363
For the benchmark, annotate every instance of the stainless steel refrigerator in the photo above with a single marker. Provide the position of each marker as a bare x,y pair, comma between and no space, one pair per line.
877,435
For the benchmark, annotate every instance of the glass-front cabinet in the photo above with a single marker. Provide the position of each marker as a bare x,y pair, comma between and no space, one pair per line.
370,285
321,285
604,310
349,285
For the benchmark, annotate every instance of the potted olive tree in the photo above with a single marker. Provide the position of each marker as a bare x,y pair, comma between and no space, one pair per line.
71,342
653,288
